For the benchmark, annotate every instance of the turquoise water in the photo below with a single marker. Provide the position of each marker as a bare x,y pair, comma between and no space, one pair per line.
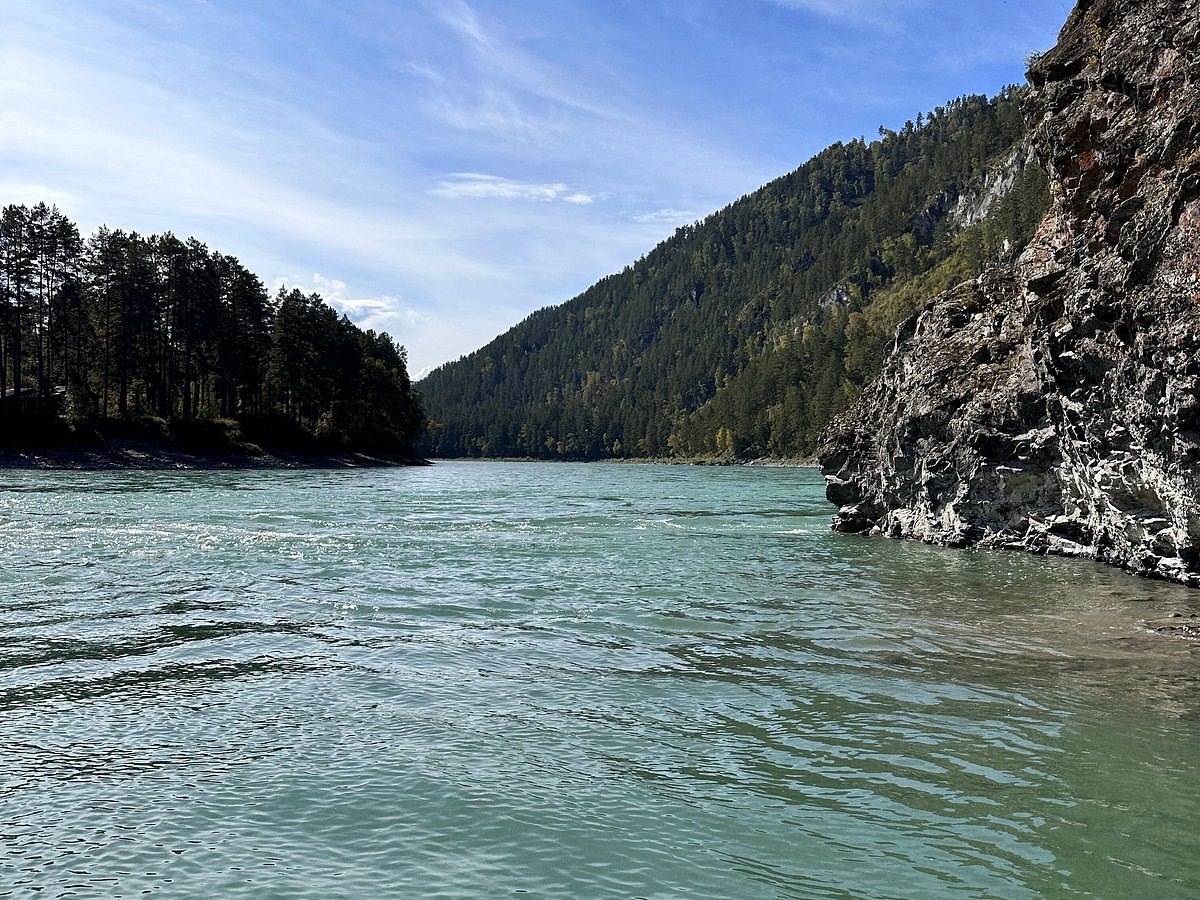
488,679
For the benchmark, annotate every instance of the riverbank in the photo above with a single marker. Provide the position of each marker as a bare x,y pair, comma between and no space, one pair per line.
763,463
133,455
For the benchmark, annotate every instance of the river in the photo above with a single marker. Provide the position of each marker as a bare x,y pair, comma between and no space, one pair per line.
498,679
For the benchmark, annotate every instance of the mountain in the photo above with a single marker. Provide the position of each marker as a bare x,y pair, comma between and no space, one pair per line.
1053,405
742,335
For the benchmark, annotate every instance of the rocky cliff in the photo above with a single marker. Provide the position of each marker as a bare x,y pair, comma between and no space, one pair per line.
1053,405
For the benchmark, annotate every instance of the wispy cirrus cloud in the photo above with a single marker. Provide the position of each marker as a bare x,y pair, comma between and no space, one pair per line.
422,70
666,217
503,60
474,186
492,110
864,13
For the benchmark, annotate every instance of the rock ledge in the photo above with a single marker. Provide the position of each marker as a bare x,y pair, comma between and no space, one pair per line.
1053,405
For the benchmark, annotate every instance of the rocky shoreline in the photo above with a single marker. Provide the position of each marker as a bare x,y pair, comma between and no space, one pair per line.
1185,626
1053,405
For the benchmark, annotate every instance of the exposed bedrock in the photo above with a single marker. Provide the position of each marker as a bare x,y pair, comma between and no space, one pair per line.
1054,404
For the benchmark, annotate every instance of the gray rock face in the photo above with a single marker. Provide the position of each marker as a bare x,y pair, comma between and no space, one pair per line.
1054,404
978,200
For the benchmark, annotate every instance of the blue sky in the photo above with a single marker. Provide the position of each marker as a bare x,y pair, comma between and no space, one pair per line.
441,169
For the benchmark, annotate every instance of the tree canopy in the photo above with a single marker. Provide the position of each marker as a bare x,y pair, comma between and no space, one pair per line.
119,327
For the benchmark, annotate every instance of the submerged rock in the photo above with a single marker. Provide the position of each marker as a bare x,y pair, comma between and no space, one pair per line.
1053,405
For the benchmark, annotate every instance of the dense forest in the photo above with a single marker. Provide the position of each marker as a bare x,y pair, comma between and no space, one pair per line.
120,335
742,335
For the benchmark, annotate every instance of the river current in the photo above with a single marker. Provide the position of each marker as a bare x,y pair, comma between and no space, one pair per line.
521,679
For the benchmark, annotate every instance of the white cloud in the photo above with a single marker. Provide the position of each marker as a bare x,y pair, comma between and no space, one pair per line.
492,111
508,63
32,194
421,70
865,13
385,312
148,147
473,186
666,216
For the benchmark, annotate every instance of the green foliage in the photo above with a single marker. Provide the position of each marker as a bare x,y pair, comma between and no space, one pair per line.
161,340
742,335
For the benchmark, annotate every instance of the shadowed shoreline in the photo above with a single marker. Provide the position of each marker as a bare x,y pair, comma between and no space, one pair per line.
133,455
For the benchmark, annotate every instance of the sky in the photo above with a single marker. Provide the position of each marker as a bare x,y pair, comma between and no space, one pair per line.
439,169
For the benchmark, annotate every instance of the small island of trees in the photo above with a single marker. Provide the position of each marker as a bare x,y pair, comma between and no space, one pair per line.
155,338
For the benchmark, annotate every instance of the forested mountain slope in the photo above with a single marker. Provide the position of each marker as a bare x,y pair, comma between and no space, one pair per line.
744,334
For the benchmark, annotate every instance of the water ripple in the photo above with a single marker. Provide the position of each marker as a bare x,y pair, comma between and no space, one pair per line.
605,681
